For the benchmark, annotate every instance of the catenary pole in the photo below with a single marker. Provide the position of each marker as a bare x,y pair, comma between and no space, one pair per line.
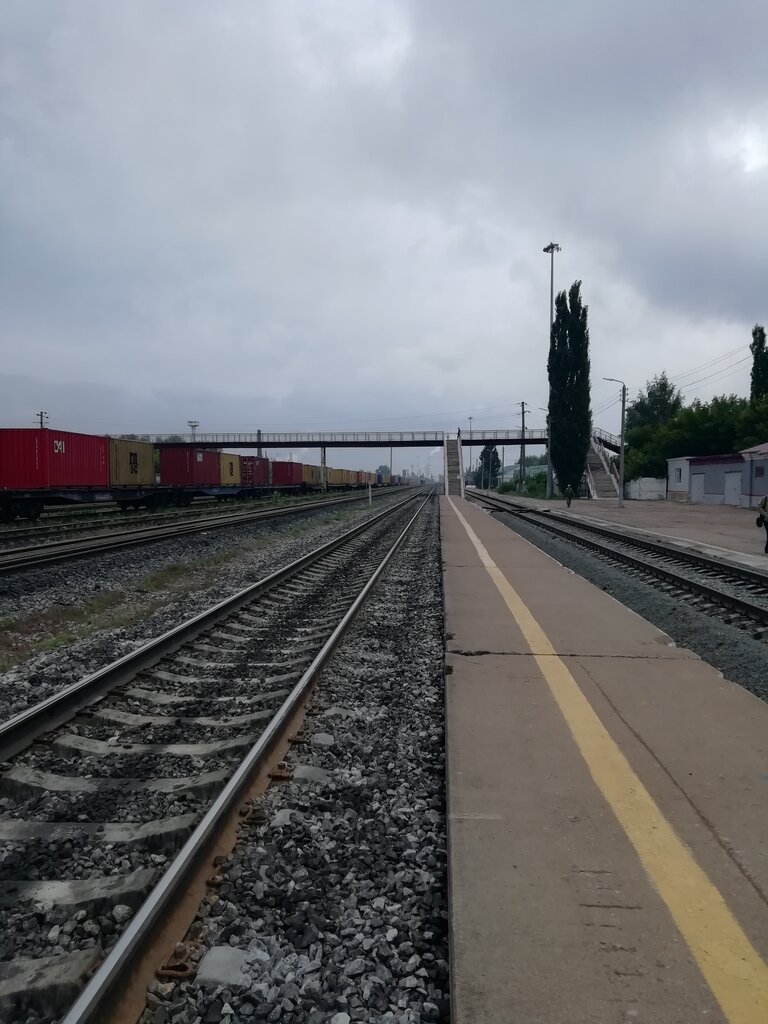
522,452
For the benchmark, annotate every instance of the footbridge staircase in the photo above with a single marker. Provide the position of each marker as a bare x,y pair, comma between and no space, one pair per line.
454,467
601,474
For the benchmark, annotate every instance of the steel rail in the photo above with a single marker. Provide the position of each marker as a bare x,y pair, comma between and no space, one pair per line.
698,559
18,732
46,554
107,518
98,997
130,521
748,609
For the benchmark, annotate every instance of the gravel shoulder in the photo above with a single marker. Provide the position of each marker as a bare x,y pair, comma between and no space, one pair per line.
60,623
739,656
333,904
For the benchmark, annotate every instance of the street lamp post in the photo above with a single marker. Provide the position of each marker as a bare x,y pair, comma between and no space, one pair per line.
552,248
615,380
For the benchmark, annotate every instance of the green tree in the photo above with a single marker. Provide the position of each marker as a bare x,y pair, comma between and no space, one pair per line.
384,470
570,416
489,467
660,401
759,388
658,404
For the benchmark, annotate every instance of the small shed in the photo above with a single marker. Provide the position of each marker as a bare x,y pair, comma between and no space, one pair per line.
755,476
716,479
678,473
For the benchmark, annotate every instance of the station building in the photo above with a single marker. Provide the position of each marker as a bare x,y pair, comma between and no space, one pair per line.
739,479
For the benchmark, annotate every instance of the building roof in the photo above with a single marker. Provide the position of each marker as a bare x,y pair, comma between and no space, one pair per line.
680,458
759,451
709,460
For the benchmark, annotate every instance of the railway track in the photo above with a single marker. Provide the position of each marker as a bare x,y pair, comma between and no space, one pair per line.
708,583
34,556
114,789
82,521
106,520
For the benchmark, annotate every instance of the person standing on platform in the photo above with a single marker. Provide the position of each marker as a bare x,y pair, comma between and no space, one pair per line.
762,515
568,492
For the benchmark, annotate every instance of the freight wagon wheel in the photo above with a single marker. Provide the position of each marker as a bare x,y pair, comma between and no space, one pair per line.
33,511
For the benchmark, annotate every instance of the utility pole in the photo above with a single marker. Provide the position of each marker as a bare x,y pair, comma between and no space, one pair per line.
522,452
502,465
615,380
391,467
552,248
193,425
43,417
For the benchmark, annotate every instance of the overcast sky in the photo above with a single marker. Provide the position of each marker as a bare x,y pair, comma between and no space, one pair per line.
331,214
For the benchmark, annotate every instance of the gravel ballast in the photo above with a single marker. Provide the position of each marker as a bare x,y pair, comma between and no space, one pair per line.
261,548
131,748
739,656
333,905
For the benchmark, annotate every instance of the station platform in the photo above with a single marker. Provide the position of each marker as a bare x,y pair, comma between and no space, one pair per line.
606,803
720,531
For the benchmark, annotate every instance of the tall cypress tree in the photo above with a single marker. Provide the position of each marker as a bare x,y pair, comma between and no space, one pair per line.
570,416
759,352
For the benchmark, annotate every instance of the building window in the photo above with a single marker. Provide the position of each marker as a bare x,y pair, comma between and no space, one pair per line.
678,476
759,470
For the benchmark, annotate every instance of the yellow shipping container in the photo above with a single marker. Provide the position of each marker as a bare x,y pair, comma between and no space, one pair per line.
310,475
335,477
131,463
230,470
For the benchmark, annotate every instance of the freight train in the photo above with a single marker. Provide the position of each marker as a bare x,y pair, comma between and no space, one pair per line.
41,467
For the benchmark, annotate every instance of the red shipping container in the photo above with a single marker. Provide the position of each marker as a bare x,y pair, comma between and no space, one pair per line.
35,459
254,471
287,474
189,467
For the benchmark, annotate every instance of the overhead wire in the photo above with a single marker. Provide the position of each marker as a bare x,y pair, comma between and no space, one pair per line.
710,362
725,376
715,375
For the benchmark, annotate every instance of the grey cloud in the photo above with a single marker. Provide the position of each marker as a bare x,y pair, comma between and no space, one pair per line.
297,213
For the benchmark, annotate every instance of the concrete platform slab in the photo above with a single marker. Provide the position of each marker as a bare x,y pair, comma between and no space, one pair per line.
569,894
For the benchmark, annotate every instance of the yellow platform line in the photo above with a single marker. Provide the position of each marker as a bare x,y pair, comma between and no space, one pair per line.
734,971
